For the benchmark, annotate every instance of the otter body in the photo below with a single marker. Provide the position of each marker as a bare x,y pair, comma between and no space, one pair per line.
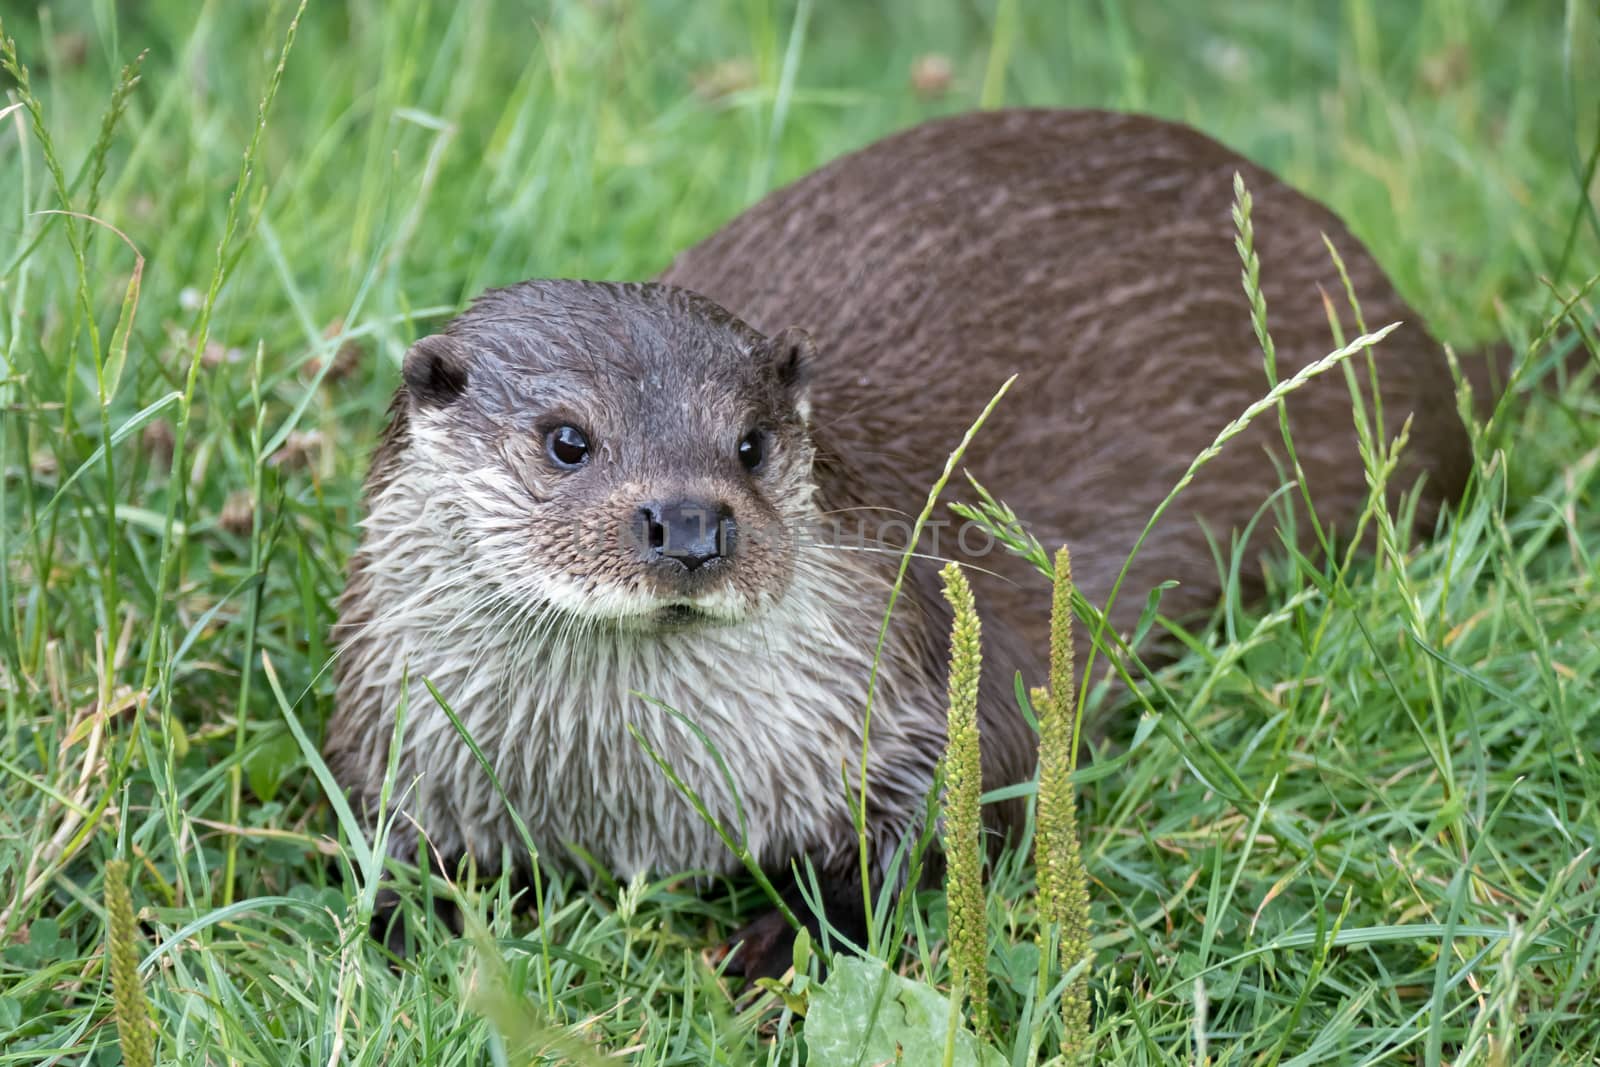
592,491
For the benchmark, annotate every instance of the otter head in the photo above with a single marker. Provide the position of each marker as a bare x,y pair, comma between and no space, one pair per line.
630,455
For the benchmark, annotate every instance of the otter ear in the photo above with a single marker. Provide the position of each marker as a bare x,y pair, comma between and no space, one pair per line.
435,371
790,353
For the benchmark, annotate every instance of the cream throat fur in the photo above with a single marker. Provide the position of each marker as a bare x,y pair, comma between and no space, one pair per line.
554,702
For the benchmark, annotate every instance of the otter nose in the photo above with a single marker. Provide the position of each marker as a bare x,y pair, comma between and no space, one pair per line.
691,532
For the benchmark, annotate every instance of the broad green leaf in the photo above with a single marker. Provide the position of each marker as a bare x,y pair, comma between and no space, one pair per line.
863,1011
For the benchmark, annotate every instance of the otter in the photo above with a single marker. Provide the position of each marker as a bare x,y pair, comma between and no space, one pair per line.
605,519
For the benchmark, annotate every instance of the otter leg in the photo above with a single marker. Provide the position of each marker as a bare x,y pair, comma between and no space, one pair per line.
389,926
764,948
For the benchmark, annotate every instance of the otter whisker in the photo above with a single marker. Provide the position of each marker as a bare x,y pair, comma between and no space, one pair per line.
896,553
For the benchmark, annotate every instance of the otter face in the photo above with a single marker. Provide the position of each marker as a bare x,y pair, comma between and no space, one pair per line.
630,454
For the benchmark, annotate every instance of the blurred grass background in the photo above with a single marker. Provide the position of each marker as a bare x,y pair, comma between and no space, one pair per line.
1425,888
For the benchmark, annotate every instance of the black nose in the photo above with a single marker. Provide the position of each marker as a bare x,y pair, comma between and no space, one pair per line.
692,532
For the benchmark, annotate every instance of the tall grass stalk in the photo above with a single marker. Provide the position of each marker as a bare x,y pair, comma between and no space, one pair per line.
134,1025
859,801
172,535
965,897
1058,854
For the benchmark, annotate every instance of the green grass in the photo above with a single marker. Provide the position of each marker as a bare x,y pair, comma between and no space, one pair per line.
1361,825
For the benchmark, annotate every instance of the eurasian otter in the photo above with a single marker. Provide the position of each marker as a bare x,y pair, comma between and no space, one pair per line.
596,502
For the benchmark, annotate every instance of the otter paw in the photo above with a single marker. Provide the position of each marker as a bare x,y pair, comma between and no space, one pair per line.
762,949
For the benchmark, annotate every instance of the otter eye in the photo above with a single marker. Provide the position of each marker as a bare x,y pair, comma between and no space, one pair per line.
753,449
567,446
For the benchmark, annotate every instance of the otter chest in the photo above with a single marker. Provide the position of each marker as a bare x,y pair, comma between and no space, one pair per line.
761,722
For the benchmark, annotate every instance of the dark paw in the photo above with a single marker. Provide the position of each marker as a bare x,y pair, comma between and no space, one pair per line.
390,928
763,949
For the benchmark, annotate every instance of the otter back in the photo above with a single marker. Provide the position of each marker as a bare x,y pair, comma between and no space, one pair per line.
1092,254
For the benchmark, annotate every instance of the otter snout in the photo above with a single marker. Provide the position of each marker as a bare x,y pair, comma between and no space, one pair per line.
685,534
